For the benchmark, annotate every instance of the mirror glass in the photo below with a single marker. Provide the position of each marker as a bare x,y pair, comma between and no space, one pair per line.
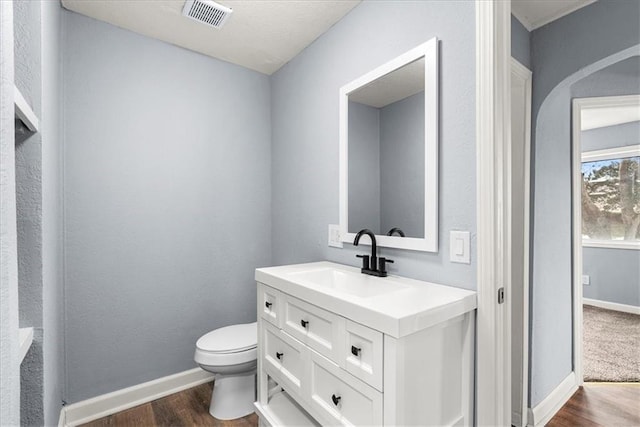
389,152
386,153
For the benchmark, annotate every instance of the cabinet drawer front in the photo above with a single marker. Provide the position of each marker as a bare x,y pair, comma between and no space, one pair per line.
269,304
342,398
318,328
363,353
284,356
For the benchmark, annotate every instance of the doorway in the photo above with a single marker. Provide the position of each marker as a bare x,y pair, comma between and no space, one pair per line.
519,238
606,222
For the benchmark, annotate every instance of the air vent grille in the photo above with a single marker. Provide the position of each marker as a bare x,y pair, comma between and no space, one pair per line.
207,12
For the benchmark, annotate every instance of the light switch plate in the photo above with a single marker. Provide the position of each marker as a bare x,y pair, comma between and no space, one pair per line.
335,240
459,247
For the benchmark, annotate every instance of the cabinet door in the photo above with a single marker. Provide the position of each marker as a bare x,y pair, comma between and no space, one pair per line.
342,398
319,329
269,304
285,358
362,355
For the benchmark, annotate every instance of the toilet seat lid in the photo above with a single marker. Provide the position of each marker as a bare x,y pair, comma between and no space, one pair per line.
230,339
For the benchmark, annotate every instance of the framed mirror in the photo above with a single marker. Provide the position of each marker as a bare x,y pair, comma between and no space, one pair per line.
389,152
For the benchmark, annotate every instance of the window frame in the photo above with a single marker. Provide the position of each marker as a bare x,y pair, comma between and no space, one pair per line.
610,154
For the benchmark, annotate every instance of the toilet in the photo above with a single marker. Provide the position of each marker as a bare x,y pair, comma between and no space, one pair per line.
230,353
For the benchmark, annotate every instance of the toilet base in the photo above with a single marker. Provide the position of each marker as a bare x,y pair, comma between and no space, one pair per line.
233,396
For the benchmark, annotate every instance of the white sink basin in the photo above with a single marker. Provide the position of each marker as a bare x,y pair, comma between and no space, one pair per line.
355,284
394,305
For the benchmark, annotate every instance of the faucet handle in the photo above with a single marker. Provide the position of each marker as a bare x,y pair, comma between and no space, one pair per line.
382,261
365,261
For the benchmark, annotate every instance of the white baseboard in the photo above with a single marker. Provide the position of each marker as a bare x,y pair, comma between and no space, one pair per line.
110,403
612,305
62,421
545,410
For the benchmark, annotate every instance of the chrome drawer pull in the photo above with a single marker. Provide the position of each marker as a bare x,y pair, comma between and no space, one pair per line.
304,323
336,399
279,355
355,350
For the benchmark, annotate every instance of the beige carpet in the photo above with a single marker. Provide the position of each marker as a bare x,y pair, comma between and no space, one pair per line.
611,345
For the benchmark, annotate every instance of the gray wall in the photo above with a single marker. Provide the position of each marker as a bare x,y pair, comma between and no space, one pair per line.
304,111
52,284
9,351
29,208
562,53
364,167
402,166
166,203
611,137
614,273
520,42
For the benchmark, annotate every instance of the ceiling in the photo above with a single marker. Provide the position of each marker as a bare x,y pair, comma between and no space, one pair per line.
262,35
593,118
536,13
399,84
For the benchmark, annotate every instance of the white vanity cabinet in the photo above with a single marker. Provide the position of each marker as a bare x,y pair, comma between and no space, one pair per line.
329,358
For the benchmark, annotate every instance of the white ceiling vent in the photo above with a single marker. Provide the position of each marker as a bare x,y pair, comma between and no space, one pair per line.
207,11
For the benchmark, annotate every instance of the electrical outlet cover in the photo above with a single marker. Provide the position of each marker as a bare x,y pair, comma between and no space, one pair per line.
335,239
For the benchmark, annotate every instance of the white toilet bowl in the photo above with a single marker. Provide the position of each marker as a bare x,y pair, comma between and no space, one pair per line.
230,353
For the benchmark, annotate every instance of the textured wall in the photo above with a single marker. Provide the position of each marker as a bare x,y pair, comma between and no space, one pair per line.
520,42
29,209
562,53
305,131
52,285
167,203
9,367
614,273
402,166
364,167
611,137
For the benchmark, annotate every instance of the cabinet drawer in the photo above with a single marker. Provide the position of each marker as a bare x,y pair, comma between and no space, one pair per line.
363,353
284,357
269,304
342,398
318,328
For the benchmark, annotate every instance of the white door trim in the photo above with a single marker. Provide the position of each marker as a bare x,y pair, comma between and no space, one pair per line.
493,133
525,74
578,105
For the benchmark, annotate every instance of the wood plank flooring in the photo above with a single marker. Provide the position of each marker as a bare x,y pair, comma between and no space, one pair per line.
594,405
601,404
187,408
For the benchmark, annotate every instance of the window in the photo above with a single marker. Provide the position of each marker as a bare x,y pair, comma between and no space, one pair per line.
611,197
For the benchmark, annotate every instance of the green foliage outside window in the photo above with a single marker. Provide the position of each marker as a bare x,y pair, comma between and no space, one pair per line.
611,199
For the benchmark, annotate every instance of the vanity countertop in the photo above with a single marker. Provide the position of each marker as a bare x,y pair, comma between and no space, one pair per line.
394,305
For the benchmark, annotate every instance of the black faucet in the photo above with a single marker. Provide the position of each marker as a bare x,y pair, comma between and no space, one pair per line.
372,268
396,230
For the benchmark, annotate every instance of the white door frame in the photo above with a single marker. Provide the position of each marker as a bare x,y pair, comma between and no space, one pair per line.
493,134
580,104
524,74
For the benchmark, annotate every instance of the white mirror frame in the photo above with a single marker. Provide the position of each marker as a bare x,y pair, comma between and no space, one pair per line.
428,243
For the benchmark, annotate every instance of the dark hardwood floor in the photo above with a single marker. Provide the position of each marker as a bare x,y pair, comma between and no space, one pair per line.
601,404
595,404
187,408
